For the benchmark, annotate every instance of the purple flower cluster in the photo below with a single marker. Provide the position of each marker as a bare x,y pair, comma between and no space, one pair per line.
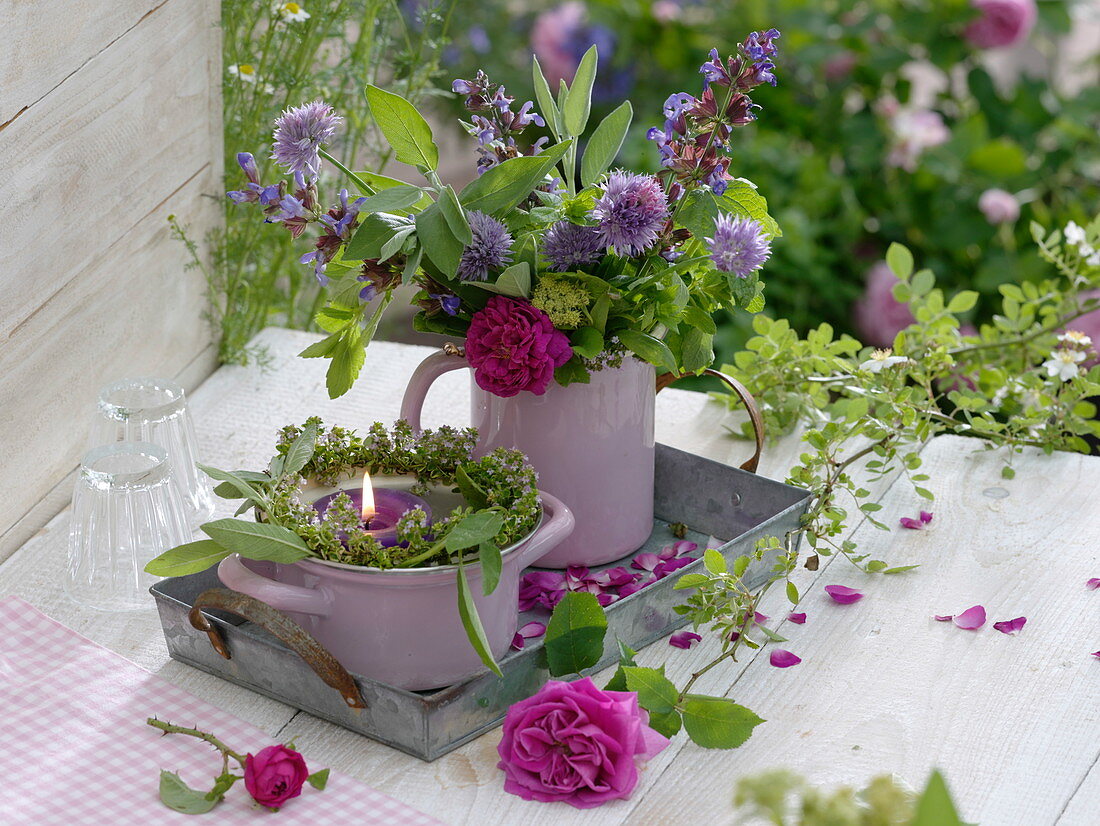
490,249
631,212
568,246
339,223
545,589
696,131
493,121
299,134
739,245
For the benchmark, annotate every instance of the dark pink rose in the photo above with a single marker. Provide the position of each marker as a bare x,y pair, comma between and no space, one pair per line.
575,743
513,346
1001,22
275,775
878,315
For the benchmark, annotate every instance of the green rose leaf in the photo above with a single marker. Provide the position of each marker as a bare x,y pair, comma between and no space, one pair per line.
655,691
318,780
474,529
467,611
718,723
404,127
899,260
257,540
578,102
187,559
626,657
574,635
648,348
667,724
605,143
177,795
503,186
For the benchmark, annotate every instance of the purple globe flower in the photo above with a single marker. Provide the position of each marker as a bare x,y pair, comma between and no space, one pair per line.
739,245
567,246
490,249
299,134
631,212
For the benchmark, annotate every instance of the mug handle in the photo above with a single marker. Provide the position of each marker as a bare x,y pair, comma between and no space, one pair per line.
558,525
279,595
412,404
315,655
665,379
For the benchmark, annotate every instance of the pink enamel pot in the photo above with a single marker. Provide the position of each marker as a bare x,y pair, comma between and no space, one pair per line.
401,626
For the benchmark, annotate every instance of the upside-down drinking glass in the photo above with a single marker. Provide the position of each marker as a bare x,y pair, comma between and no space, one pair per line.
127,509
155,410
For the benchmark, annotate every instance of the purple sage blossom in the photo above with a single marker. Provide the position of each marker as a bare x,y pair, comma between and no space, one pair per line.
739,245
490,249
631,213
300,132
447,303
567,246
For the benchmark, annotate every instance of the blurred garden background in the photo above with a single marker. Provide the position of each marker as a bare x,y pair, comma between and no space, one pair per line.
946,125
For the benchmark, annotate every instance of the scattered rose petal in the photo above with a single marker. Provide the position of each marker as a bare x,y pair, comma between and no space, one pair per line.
759,618
799,619
1093,583
684,546
541,588
614,577
685,639
971,619
646,562
667,567
633,587
1010,626
910,523
925,517
843,594
782,658
527,632
1095,654
943,617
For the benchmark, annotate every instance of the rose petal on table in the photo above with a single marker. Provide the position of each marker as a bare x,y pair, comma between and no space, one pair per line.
646,561
843,594
527,632
943,617
971,619
759,618
685,639
634,587
925,517
1010,626
1093,583
781,658
911,523
1095,654
799,619
684,546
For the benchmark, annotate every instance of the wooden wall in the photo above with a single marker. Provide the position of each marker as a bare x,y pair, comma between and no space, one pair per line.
110,120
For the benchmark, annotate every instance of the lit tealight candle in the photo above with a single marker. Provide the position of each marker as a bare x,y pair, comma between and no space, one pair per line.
380,508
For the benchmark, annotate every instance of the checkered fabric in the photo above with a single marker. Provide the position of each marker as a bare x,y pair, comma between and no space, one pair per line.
75,748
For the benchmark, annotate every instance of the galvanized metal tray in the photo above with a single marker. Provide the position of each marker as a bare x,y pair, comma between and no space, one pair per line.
721,505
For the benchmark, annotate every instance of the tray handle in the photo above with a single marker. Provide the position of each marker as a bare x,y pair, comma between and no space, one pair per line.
665,379
316,656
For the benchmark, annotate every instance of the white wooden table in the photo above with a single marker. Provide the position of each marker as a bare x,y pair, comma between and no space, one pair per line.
1014,722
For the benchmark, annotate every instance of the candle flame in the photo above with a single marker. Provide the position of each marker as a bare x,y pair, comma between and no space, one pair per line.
368,498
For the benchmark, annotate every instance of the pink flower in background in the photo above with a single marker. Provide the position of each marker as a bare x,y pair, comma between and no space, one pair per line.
843,594
999,207
513,346
781,658
839,66
552,42
1089,325
274,775
878,315
914,130
1001,23
575,743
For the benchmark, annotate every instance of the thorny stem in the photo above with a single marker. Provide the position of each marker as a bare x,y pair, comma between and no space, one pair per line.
169,728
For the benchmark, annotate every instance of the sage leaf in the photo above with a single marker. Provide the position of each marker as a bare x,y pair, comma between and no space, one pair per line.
177,795
514,281
245,490
718,723
503,186
404,127
437,239
473,529
545,99
605,143
375,230
575,634
578,102
467,612
391,199
648,348
491,564
301,450
187,559
257,540
455,217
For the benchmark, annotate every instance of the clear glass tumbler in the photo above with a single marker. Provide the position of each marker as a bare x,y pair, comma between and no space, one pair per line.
155,410
127,509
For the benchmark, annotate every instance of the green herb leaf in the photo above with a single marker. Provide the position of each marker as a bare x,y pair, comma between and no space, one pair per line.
473,529
718,723
245,490
792,593
301,450
572,372
696,350
318,780
578,103
587,342
714,561
257,540
375,231
471,491
438,240
545,99
391,199
177,795
467,611
187,559
456,218
505,185
491,564
605,143
322,349
899,260
575,633
655,691
648,348
934,807
346,363
514,281
404,127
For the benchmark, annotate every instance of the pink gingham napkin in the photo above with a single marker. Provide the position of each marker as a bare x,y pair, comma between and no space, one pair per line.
76,750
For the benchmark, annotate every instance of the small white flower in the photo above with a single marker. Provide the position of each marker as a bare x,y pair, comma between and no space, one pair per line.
880,359
291,11
1063,364
1075,338
245,71
1075,235
1094,259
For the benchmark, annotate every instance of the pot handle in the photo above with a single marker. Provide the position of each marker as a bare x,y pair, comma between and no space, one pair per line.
665,379
316,656
558,525
412,404
279,595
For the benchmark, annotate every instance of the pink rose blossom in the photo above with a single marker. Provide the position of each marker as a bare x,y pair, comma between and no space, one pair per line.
878,315
274,775
576,743
1001,23
513,346
781,658
914,131
999,207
